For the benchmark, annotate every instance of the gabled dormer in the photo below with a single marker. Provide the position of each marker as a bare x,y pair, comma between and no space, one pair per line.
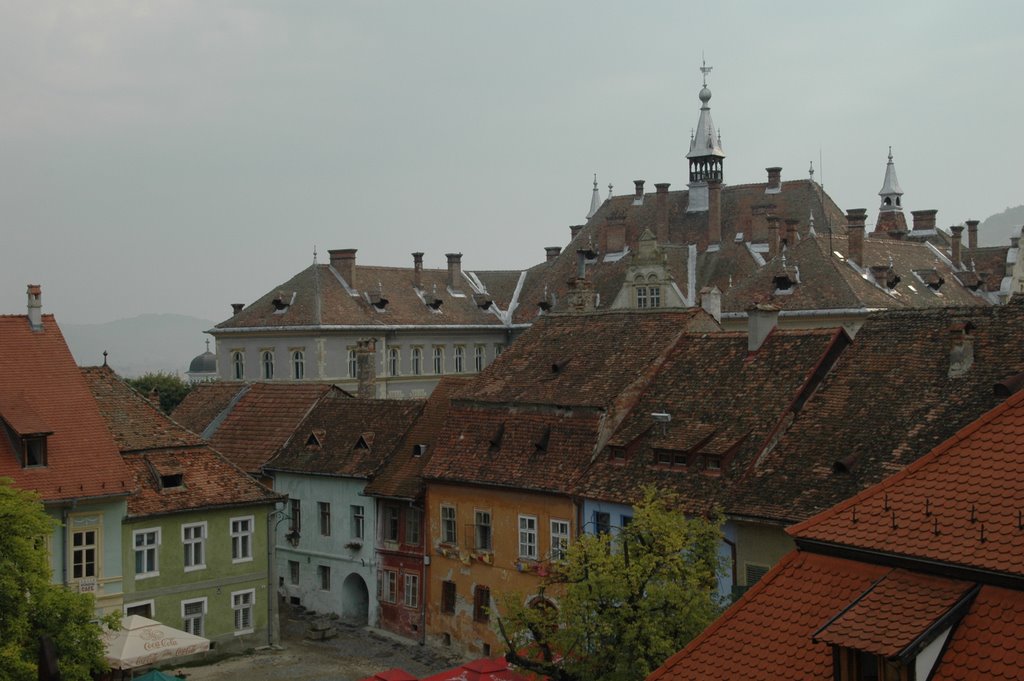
648,284
26,430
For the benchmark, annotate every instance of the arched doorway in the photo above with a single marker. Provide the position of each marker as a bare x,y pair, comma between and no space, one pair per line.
355,600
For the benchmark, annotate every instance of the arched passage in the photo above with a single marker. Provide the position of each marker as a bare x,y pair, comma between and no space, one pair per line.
355,599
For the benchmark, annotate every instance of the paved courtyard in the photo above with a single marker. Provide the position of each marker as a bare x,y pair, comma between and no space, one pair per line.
354,653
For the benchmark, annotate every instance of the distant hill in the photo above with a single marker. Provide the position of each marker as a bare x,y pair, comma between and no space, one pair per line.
997,229
138,345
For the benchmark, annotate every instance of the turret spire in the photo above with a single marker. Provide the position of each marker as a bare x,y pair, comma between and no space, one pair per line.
595,200
890,191
705,153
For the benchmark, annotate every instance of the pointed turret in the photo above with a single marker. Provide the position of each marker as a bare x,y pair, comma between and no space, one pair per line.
891,221
595,200
706,153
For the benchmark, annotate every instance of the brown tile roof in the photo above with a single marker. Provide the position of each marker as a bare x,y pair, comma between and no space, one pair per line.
257,419
889,397
767,634
583,360
345,436
204,402
402,477
132,419
988,644
827,281
42,388
722,401
959,504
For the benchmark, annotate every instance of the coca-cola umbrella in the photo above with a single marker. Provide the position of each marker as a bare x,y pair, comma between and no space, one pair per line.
142,641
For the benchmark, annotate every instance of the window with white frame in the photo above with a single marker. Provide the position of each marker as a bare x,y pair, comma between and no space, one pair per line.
417,361
193,537
641,297
393,359
438,360
413,520
353,364
478,358
460,359
449,531
293,572
358,522
238,365
528,536
193,615
559,539
389,586
141,608
323,573
412,590
298,365
84,553
654,296
325,518
241,539
268,364
147,546
242,603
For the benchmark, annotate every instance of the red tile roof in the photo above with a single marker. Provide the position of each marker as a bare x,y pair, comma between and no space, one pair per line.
204,402
989,642
42,388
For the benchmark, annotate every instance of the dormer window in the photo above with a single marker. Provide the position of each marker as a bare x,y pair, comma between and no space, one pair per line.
33,451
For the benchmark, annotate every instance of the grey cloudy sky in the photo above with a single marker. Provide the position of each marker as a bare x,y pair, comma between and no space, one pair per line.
180,156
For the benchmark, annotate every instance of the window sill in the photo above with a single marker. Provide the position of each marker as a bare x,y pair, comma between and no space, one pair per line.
146,575
241,560
243,632
195,568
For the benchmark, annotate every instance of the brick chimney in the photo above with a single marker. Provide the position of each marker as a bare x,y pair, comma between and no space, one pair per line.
661,212
638,198
773,236
417,270
761,319
855,219
552,252
714,211
972,234
791,232
454,270
574,230
923,219
711,302
237,307
35,307
774,180
366,368
954,246
343,260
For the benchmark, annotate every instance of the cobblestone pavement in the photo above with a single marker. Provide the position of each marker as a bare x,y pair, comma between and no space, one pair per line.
354,653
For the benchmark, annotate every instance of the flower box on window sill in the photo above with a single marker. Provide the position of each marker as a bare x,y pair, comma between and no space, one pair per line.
354,545
486,557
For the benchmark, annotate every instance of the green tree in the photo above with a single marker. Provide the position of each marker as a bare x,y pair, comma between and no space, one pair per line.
615,608
31,606
171,388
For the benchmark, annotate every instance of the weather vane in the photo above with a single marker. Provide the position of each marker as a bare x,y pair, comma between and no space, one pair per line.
704,68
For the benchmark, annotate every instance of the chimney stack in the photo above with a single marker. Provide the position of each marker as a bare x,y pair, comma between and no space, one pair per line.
343,260
574,230
714,211
774,180
35,307
552,252
366,369
791,232
638,198
661,217
761,319
855,219
711,302
237,307
924,220
972,234
954,247
454,270
417,270
773,236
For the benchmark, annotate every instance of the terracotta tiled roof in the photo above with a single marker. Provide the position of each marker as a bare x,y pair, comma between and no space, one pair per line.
959,504
402,477
43,388
536,450
894,612
722,401
133,420
766,635
889,398
204,402
583,360
989,643
257,419
346,437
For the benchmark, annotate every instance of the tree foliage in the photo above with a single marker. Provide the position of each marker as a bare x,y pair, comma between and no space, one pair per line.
31,606
171,388
616,607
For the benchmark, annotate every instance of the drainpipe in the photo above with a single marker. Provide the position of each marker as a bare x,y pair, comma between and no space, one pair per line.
426,569
273,625
65,511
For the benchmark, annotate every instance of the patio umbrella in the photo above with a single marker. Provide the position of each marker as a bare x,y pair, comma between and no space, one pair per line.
157,675
143,641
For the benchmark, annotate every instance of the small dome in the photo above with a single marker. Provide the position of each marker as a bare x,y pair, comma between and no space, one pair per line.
205,363
705,94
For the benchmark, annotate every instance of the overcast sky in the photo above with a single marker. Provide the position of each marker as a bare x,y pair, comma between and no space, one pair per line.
178,157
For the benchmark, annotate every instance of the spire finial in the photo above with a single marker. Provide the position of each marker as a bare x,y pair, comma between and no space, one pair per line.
595,200
314,254
704,68
890,153
810,171
207,344
595,180
104,358
609,190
